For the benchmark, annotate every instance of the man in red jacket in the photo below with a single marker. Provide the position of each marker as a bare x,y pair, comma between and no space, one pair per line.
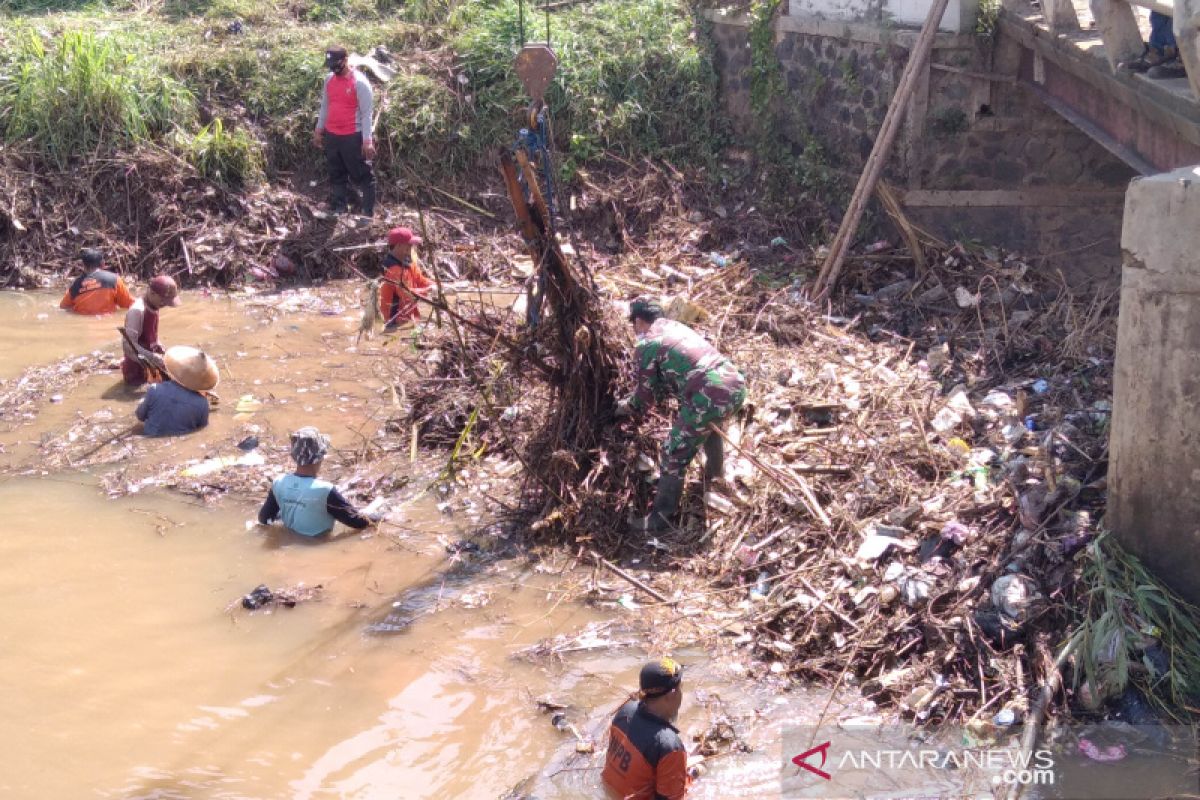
344,131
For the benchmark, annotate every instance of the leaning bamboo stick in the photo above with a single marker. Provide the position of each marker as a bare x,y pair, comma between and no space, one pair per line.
832,268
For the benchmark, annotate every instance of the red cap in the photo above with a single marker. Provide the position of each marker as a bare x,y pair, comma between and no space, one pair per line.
165,287
402,236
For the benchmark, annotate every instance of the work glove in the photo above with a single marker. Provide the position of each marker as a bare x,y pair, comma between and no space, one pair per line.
624,410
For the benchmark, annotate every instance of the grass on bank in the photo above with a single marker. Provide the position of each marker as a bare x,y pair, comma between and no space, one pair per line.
632,80
82,94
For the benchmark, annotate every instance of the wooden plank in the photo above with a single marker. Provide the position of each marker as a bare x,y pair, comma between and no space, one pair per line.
1003,198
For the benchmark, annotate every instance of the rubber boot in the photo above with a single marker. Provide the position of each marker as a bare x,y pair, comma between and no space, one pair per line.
666,503
714,458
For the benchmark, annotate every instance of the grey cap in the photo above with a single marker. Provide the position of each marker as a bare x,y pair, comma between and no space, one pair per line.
309,446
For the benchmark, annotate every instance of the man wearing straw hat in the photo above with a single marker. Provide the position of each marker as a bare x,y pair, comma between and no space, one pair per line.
646,759
307,505
673,357
178,405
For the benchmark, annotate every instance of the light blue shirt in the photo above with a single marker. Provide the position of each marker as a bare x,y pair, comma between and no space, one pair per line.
303,504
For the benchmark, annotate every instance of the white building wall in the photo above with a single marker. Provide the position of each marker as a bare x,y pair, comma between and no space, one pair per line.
833,9
959,17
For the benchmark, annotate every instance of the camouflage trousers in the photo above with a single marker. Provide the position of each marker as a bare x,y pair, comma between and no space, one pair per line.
713,403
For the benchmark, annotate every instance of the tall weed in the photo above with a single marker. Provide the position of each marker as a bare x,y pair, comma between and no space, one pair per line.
228,157
84,93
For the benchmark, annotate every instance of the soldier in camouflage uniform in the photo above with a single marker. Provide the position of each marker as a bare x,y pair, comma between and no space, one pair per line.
673,357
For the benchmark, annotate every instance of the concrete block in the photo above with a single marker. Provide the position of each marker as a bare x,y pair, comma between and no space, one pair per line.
1154,468
835,9
960,15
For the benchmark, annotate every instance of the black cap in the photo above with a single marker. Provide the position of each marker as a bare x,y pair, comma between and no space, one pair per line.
91,257
334,56
646,308
660,677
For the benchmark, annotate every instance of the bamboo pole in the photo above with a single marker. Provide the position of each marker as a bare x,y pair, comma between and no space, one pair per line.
867,181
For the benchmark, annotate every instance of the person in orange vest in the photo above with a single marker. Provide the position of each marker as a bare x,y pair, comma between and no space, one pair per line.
344,131
96,291
141,323
402,278
646,759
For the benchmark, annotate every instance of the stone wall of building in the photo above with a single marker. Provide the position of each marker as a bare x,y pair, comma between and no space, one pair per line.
980,157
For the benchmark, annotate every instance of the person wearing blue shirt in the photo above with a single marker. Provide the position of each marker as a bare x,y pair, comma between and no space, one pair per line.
307,505
178,404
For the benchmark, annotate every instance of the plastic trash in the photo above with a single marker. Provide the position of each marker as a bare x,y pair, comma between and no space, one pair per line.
761,587
964,298
1013,596
248,444
1005,718
718,260
779,241
956,532
1040,386
219,463
1095,752
259,597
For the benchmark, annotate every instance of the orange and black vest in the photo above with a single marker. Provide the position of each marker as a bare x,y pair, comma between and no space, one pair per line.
97,292
646,759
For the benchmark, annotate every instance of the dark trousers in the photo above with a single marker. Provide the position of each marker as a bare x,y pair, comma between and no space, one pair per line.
1161,34
346,163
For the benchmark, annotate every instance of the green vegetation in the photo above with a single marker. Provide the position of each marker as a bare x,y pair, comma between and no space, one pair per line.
85,93
988,19
1127,614
766,74
788,173
227,157
632,80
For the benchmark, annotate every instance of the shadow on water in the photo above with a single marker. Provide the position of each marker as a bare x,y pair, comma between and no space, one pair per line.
425,598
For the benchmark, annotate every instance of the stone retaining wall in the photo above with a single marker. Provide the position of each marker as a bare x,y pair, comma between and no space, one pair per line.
980,157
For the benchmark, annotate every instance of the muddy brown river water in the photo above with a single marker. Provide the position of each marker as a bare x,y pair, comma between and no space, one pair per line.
126,674
128,669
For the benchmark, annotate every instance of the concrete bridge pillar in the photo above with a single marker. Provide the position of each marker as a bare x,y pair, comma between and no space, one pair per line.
1154,470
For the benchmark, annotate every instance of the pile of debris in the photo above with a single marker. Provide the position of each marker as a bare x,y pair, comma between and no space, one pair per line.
151,212
911,481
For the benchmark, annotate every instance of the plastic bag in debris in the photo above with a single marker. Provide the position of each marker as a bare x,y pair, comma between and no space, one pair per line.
259,597
251,459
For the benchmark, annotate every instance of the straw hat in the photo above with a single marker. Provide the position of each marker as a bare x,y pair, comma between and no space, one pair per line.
191,368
